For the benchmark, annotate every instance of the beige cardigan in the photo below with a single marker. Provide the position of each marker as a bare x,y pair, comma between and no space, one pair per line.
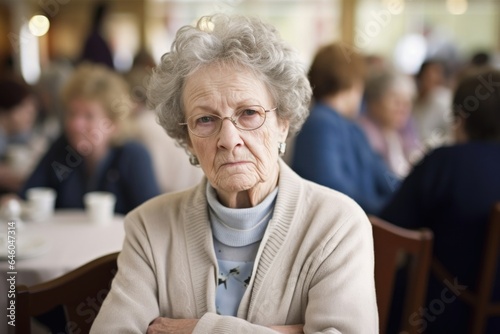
314,266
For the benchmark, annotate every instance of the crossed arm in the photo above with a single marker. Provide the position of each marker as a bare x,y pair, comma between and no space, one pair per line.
186,326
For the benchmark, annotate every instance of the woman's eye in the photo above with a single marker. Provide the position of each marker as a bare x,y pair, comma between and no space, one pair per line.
249,112
205,119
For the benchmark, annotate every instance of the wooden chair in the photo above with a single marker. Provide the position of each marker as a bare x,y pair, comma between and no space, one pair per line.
390,242
80,292
479,299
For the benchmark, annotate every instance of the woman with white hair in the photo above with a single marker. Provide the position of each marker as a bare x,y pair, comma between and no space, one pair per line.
387,122
253,247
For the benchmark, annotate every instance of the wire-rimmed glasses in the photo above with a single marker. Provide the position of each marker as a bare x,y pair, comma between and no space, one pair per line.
246,118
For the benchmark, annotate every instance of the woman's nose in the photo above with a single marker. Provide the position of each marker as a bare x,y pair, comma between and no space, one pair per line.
229,135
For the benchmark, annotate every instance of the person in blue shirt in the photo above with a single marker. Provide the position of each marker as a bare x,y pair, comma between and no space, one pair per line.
331,149
94,153
452,191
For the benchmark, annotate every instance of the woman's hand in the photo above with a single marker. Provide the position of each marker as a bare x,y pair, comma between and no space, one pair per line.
186,326
289,329
172,326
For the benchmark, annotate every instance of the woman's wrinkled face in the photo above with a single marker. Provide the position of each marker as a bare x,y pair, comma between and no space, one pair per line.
233,160
87,126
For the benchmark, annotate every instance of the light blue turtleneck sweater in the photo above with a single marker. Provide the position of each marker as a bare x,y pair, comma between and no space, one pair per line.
237,234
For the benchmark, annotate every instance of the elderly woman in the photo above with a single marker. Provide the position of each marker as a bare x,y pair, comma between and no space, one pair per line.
94,152
253,247
387,123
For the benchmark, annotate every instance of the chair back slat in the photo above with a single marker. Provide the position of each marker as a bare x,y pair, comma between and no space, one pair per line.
484,307
80,292
390,244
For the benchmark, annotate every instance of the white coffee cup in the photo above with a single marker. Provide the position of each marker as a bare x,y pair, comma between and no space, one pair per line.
41,203
100,206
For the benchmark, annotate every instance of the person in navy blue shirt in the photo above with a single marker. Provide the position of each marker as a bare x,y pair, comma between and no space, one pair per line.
331,149
452,192
93,154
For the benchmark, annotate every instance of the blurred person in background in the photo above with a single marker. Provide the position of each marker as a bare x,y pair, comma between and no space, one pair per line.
331,149
387,121
171,164
96,49
20,146
432,109
481,58
451,191
94,152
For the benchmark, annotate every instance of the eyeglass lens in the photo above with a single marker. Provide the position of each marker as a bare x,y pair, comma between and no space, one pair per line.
247,118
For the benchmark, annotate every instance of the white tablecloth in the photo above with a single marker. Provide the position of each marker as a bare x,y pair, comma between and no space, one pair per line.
65,242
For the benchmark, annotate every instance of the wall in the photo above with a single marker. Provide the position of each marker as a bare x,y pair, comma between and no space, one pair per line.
476,29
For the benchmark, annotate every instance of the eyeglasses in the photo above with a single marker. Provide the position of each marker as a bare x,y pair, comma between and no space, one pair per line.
246,118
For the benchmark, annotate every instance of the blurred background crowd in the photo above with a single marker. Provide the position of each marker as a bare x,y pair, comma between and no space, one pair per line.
74,114
413,52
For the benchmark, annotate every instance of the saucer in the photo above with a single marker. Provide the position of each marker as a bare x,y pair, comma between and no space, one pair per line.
26,246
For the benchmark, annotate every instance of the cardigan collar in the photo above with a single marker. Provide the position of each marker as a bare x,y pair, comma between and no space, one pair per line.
201,254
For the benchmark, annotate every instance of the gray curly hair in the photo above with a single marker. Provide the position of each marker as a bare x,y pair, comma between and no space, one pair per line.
229,41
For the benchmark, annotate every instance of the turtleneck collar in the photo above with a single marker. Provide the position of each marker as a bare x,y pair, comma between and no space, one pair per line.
239,227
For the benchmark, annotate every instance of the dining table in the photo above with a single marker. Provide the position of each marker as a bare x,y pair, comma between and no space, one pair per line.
45,250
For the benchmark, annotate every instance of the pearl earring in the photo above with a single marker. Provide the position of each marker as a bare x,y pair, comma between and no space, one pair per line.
193,160
281,148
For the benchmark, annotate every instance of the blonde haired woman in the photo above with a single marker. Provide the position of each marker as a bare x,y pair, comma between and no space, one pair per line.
94,153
